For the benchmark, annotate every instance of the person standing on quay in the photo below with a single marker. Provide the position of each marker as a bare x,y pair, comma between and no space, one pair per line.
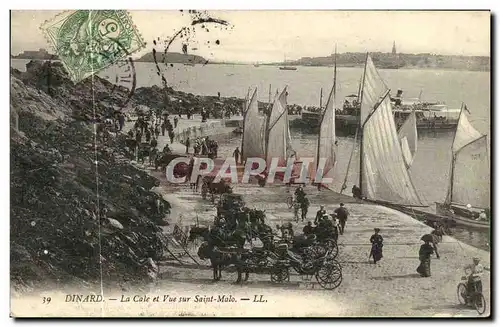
171,135
236,155
304,205
425,252
188,144
163,127
342,215
377,243
319,214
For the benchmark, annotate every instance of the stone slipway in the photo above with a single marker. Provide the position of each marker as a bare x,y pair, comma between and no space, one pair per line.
390,288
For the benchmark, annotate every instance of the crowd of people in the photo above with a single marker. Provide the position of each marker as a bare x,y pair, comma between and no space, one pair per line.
149,126
203,146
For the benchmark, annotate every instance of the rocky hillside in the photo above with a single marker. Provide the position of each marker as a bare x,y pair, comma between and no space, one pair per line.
103,97
67,213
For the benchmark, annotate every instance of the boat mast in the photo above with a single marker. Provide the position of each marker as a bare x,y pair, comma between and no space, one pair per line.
269,101
344,184
320,98
362,86
453,156
244,117
267,116
335,76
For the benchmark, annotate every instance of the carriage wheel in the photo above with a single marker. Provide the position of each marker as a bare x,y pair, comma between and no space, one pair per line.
332,246
329,276
316,251
461,293
479,303
279,275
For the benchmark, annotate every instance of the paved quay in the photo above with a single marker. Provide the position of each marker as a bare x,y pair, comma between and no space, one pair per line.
390,288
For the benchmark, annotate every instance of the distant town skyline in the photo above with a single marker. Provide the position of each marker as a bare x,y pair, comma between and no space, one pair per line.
270,36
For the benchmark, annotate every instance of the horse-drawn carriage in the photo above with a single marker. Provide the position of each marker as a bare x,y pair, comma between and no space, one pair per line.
316,258
162,160
320,242
212,188
308,263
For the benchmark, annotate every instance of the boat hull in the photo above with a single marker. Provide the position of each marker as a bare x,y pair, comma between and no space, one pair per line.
347,124
459,217
423,216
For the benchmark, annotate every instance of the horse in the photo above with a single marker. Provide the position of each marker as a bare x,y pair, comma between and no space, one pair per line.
143,151
214,189
131,145
213,249
153,153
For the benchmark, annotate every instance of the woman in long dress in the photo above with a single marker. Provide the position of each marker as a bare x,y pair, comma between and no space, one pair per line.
377,244
426,250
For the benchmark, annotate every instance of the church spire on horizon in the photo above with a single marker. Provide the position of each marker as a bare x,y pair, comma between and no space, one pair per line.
393,47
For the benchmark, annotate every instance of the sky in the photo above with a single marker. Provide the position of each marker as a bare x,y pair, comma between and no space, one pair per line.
270,36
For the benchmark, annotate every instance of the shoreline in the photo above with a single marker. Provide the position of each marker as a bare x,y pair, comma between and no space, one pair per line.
360,66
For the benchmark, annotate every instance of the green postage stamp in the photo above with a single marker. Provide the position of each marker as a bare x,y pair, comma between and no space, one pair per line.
88,41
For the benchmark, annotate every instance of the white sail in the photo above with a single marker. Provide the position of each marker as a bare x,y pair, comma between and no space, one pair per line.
289,149
470,172
385,176
465,133
254,126
373,89
278,140
326,139
408,137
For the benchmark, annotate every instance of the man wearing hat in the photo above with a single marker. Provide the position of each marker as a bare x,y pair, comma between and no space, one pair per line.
342,215
473,272
308,229
377,243
483,216
319,214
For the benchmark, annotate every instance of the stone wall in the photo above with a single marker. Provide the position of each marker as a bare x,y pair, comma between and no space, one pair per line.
204,129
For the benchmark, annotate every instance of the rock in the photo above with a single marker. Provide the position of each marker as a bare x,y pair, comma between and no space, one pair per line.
115,223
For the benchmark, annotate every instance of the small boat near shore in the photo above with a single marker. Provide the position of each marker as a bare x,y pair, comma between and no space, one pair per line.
461,216
468,197
287,67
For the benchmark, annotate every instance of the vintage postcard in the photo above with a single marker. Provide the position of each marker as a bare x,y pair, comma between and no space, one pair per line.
191,163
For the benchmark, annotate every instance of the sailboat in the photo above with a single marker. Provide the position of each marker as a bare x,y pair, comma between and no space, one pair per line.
408,137
327,142
469,184
383,175
254,124
287,67
278,136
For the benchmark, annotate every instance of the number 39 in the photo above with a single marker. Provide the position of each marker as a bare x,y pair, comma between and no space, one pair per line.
46,300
